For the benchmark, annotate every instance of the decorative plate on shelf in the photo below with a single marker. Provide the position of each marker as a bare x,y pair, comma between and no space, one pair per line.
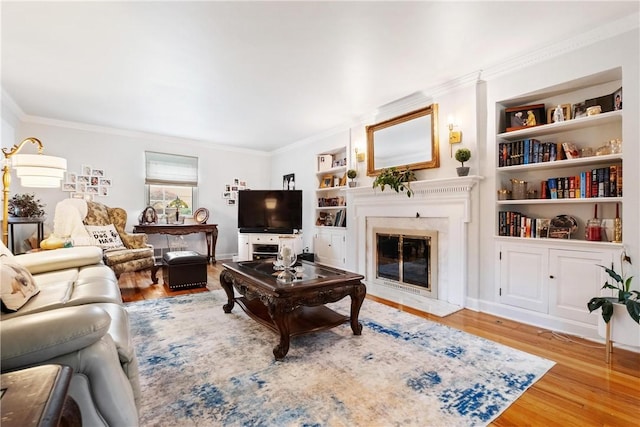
201,215
565,221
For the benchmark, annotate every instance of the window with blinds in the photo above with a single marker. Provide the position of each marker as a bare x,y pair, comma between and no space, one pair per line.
172,182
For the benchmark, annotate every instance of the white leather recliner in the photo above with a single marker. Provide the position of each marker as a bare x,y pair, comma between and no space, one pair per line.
77,319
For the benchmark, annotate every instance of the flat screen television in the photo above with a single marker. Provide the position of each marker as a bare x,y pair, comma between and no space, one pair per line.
269,211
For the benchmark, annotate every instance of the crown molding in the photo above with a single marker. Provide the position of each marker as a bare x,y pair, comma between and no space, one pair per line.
139,134
601,33
10,103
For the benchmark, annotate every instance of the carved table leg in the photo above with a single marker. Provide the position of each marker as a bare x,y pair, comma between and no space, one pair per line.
226,281
280,317
357,297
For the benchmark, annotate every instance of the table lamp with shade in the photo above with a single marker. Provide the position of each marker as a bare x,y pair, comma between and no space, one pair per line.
34,170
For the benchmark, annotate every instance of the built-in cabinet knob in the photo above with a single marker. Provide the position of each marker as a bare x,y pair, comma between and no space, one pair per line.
552,277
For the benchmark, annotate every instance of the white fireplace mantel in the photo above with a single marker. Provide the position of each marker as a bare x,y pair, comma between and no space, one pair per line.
450,201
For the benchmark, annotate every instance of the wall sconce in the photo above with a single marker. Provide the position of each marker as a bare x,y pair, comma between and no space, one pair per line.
455,137
359,155
34,170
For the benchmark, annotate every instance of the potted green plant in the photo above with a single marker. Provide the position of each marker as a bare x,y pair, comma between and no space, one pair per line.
396,179
26,206
625,295
351,174
463,155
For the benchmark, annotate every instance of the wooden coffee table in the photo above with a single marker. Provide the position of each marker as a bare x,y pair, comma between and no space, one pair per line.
296,307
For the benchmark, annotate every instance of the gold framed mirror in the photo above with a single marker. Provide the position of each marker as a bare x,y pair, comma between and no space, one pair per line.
409,141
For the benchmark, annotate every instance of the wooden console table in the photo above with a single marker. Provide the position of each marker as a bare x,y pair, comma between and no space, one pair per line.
210,231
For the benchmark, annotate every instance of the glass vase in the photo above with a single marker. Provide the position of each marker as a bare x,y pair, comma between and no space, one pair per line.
286,258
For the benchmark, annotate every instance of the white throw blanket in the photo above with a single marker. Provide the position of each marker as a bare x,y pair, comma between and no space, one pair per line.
67,221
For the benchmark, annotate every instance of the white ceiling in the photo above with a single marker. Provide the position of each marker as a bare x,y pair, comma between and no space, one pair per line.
260,74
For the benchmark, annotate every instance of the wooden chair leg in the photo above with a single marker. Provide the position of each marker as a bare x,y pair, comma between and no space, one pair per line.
154,273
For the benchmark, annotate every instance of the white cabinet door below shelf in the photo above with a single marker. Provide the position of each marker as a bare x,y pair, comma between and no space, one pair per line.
329,247
243,247
522,277
575,278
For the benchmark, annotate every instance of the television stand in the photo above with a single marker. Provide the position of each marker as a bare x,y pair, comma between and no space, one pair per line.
254,246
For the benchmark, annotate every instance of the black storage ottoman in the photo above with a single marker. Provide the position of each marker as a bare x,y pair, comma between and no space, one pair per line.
184,270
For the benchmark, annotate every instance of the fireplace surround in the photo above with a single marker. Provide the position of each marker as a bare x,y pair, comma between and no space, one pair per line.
444,207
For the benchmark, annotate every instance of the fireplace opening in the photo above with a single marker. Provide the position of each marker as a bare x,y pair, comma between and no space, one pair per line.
407,259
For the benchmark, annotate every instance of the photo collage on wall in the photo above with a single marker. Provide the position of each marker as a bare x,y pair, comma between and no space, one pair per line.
89,183
230,193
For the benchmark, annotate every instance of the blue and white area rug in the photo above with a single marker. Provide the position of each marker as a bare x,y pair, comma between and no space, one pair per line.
202,367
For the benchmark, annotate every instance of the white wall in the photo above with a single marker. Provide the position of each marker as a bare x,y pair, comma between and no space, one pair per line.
121,155
300,159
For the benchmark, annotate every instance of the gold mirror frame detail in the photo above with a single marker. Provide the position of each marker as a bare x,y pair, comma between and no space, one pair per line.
427,159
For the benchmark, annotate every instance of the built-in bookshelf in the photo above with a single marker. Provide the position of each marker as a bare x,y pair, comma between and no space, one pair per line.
568,168
331,174
552,180
331,207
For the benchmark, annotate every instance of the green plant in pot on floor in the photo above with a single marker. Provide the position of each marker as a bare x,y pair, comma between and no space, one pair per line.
625,295
396,179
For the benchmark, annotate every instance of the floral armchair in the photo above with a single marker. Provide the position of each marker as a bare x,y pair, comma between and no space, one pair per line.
135,255
92,223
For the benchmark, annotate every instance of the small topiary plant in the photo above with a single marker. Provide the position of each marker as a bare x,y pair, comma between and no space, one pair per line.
463,155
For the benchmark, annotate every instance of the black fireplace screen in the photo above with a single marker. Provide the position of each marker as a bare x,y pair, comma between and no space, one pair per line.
404,258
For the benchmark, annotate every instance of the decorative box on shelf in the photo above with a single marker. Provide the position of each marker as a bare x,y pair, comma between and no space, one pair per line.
325,162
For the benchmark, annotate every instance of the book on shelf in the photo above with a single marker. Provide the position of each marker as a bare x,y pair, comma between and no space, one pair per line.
340,218
336,222
570,150
619,181
599,182
516,224
553,188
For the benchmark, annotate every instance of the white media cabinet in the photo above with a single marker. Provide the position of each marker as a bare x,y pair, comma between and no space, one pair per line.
253,246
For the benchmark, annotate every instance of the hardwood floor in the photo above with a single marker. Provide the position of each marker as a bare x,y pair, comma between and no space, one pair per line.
580,390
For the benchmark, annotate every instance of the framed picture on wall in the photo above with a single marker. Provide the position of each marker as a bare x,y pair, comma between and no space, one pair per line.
289,182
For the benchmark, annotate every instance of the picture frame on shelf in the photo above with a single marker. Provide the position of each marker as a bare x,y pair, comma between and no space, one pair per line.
525,116
617,100
566,112
343,180
327,181
579,110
